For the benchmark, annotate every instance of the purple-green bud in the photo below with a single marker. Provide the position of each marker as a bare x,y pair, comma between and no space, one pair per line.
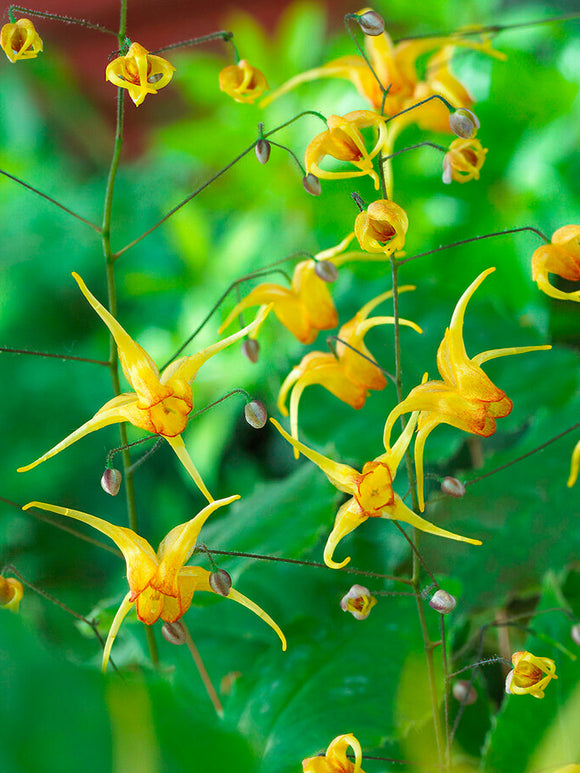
453,487
326,270
464,123
220,582
174,633
251,349
575,633
262,150
371,23
443,602
256,414
464,692
311,184
111,481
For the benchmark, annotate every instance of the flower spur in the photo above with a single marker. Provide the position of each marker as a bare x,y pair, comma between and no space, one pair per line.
160,403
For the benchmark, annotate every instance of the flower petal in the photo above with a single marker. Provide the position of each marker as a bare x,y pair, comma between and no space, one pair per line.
348,518
181,452
400,512
122,612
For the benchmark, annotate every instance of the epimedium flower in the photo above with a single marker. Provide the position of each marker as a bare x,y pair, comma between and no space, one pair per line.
20,40
561,257
343,140
358,601
371,490
243,82
463,160
160,403
466,398
382,227
530,674
335,759
139,72
160,585
350,373
11,592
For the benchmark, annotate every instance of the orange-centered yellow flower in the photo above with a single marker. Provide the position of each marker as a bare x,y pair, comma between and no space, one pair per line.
371,491
348,375
139,72
160,404
382,227
463,160
20,40
343,140
11,592
530,674
243,82
561,257
335,759
466,398
160,585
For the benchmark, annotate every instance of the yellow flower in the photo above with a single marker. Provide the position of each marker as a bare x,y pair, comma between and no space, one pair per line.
160,585
371,491
358,601
568,769
466,398
561,257
382,227
11,592
463,160
20,40
347,375
575,465
243,82
160,404
344,141
530,675
139,72
335,759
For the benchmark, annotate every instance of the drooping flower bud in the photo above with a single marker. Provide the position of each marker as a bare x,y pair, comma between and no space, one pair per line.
243,82
174,632
464,692
358,601
530,674
111,481
326,270
382,228
371,23
453,487
575,633
220,582
251,349
256,414
464,123
262,150
19,40
463,161
443,602
11,592
311,184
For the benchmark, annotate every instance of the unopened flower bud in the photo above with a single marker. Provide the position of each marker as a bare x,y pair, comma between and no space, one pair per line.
11,592
371,23
464,123
220,582
311,184
262,149
453,487
111,481
464,692
256,414
326,271
174,632
358,601
443,602
251,349
575,633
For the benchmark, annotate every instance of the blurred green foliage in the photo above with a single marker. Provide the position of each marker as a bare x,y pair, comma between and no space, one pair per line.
339,675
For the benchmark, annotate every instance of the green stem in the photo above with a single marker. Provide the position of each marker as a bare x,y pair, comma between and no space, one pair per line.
57,17
224,35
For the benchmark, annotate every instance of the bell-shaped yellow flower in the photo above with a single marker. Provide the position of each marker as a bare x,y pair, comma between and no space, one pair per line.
463,160
139,72
530,674
11,592
20,40
382,227
160,404
243,82
466,398
561,257
160,585
371,491
347,375
335,759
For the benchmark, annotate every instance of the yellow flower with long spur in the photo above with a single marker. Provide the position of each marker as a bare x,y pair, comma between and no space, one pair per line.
335,759
11,593
161,587
139,72
530,674
343,141
466,398
561,257
463,160
348,375
382,227
243,82
371,491
160,404
20,40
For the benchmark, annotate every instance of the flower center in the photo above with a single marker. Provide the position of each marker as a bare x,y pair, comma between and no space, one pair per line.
375,489
343,147
383,232
527,674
